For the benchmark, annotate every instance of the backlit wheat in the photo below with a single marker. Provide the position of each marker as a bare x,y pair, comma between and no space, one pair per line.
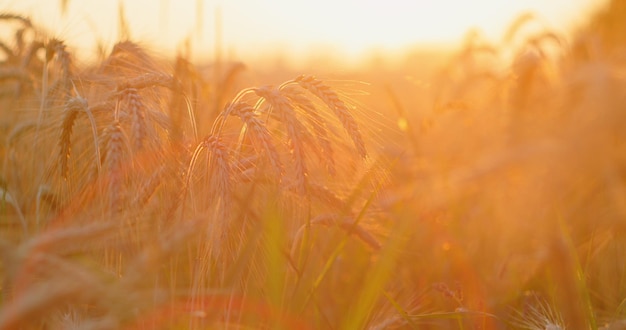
332,100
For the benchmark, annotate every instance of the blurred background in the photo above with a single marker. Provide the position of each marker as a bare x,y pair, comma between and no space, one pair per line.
347,32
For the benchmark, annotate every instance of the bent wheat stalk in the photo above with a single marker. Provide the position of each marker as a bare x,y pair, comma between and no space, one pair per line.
346,223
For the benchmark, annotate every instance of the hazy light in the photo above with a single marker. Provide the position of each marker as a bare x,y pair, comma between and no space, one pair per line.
250,28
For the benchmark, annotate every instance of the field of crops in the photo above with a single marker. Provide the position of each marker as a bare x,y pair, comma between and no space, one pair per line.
483,188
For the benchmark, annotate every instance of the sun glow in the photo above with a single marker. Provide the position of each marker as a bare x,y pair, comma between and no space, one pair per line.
250,28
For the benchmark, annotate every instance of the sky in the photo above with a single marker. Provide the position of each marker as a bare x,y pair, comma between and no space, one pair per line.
246,29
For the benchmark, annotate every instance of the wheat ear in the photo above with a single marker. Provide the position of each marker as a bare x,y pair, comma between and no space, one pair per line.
221,186
65,60
219,189
219,162
259,134
115,143
72,108
135,107
332,100
295,129
327,197
318,124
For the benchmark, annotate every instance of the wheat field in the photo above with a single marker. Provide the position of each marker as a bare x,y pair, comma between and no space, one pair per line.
485,191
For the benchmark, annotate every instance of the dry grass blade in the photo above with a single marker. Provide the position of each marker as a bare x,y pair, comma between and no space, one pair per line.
67,240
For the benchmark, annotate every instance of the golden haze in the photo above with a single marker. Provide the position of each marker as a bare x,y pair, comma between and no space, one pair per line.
478,188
